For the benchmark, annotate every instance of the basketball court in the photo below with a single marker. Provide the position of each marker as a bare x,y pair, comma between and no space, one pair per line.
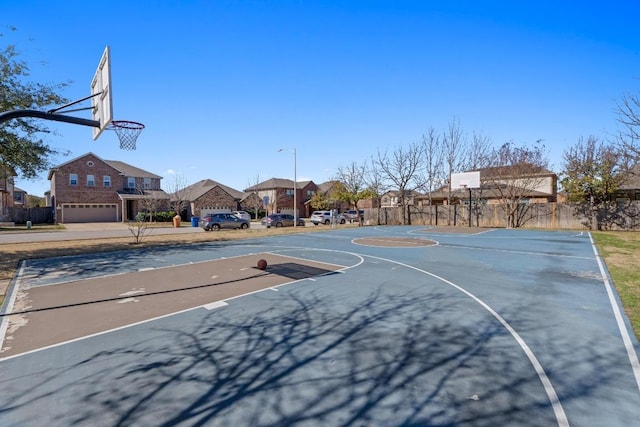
382,326
359,326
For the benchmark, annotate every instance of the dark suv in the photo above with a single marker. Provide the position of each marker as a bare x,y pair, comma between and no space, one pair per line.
281,220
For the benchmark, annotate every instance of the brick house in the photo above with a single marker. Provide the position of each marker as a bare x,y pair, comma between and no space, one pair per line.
90,189
6,193
393,199
279,194
207,196
19,198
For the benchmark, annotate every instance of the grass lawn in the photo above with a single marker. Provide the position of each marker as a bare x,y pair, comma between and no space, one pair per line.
621,252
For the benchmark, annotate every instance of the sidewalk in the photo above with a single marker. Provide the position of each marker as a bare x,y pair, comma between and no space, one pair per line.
88,231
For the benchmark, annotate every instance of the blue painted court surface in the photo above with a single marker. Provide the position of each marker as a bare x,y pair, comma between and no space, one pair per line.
371,326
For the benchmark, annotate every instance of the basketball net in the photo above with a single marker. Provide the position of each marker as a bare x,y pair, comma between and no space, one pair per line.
128,132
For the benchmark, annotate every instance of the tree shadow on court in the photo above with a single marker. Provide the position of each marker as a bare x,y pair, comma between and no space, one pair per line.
320,358
115,260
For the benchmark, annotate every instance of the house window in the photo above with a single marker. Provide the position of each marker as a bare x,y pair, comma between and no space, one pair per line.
106,181
91,181
289,192
17,197
131,182
311,193
147,183
73,179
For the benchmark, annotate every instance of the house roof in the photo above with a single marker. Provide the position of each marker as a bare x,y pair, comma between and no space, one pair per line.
197,190
407,193
326,186
520,170
148,194
128,170
632,181
123,168
488,191
271,184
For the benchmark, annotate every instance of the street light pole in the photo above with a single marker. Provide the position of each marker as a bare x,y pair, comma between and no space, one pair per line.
295,187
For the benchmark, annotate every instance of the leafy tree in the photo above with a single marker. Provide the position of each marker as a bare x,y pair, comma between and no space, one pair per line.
21,146
352,178
35,201
592,172
321,202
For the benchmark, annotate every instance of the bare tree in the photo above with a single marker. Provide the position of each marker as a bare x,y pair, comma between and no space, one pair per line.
375,184
179,194
432,176
150,201
401,168
477,156
453,146
253,203
516,174
628,110
477,153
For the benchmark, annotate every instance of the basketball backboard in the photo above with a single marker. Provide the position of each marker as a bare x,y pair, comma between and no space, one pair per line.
465,180
101,102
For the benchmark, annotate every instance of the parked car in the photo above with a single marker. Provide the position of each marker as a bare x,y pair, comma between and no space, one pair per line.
325,217
354,215
281,220
242,214
216,221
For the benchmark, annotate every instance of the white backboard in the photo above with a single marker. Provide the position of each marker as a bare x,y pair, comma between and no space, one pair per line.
101,103
465,180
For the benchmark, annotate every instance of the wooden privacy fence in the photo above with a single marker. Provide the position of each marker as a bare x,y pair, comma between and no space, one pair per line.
621,216
35,215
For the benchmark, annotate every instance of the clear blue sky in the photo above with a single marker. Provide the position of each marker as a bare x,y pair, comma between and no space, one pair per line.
221,85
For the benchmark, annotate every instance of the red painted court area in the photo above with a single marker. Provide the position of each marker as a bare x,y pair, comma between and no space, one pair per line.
91,306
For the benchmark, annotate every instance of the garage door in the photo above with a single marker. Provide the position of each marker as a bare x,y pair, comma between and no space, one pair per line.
89,213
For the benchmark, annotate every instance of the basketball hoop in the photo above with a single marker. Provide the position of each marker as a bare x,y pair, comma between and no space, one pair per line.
127,132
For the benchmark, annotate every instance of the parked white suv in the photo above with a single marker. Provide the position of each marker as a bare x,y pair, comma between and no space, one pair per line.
242,214
325,217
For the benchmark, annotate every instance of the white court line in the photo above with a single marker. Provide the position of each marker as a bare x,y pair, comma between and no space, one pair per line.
558,410
444,245
426,231
631,353
214,305
4,325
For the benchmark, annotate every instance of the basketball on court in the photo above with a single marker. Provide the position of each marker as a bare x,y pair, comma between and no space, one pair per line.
262,264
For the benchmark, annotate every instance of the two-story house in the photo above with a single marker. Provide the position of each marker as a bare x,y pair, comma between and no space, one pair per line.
527,184
91,189
19,198
277,195
6,193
